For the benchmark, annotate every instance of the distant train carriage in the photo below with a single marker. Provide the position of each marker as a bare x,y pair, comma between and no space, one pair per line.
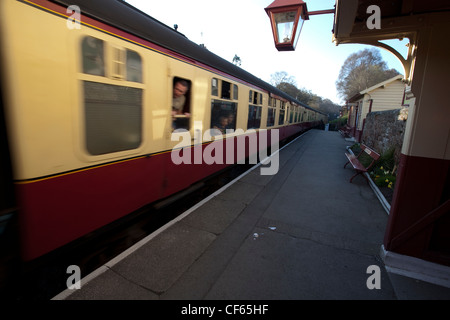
88,112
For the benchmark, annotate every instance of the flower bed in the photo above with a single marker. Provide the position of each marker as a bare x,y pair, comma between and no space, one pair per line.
383,173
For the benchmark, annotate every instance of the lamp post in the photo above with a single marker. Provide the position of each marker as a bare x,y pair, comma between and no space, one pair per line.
286,19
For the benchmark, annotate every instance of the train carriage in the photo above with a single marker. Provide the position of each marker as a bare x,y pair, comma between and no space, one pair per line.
87,101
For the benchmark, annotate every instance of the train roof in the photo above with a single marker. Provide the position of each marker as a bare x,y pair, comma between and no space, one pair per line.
124,16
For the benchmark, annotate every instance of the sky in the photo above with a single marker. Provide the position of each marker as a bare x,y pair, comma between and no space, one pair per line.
242,27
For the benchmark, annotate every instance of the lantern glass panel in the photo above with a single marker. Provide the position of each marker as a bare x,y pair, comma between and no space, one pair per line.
284,22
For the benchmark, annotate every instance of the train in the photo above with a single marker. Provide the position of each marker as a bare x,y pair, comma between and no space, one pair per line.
88,125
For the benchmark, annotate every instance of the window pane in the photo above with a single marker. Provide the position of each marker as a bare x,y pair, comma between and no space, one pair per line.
254,117
93,58
113,117
271,117
281,118
223,115
214,87
134,66
235,92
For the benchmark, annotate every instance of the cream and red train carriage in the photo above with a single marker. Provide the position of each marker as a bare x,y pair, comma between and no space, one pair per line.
87,108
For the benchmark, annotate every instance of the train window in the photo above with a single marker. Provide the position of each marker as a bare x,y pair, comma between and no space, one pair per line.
282,114
214,87
226,90
134,66
93,56
235,92
113,117
223,116
250,96
255,98
254,117
181,103
271,116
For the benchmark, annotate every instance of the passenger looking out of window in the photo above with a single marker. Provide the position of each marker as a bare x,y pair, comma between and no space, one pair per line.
180,117
230,121
222,125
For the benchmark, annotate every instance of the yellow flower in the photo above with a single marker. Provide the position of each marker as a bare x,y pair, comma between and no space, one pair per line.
381,168
387,180
390,185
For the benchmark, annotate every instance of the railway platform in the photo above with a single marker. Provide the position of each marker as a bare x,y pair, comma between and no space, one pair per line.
305,233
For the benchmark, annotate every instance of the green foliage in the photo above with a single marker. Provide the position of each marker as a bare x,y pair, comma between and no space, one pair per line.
383,173
339,122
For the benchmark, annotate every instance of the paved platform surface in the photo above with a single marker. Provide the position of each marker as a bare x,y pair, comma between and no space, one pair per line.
304,233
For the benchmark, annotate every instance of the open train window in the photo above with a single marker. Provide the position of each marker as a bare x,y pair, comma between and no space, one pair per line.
181,103
226,90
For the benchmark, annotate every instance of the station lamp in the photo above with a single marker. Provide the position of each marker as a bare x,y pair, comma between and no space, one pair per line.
286,19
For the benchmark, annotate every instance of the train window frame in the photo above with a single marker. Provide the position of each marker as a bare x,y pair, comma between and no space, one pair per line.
282,114
254,115
125,114
183,120
118,62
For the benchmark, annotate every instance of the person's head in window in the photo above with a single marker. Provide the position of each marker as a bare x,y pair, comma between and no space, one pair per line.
180,88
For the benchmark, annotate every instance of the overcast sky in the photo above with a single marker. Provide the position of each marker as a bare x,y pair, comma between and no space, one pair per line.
242,27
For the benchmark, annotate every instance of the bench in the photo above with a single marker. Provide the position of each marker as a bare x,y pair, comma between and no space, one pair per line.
357,165
345,131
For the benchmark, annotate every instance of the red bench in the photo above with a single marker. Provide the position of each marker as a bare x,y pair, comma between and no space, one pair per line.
357,165
345,131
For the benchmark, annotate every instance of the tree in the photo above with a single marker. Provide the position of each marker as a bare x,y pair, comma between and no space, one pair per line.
237,60
362,70
286,83
281,77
